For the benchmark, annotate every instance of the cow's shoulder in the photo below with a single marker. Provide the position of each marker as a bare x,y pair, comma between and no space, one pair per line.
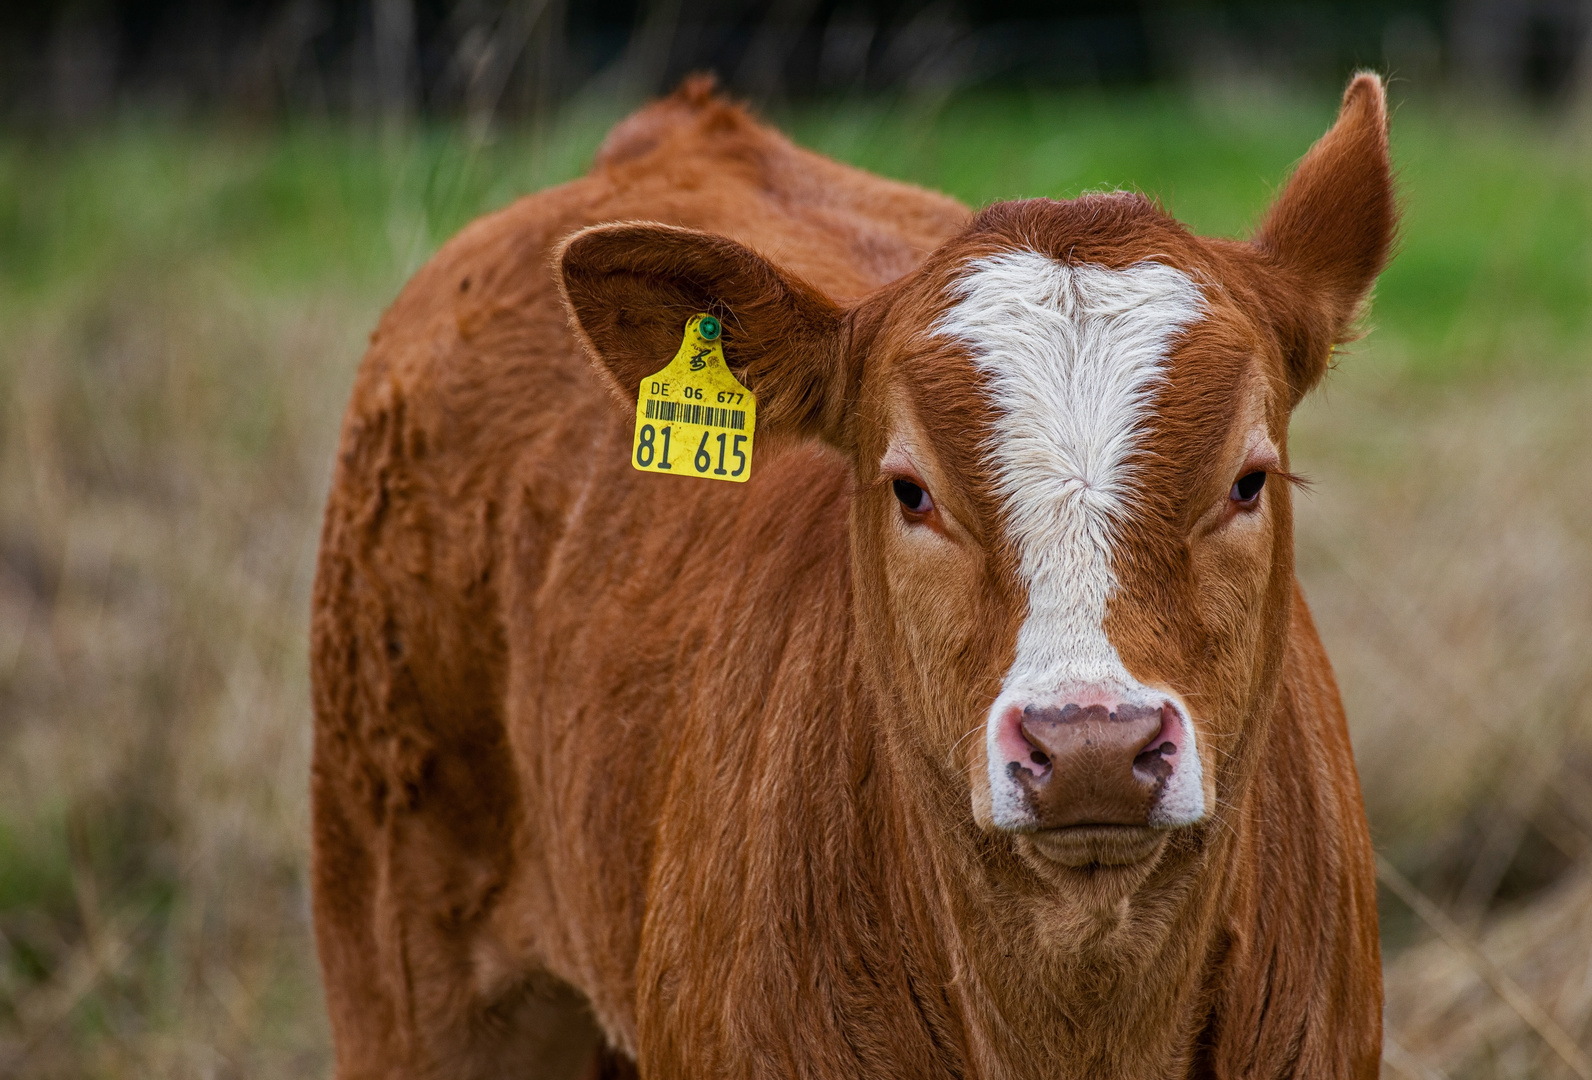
1300,952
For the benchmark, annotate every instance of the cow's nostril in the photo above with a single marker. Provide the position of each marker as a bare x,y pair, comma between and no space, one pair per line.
1039,759
1151,754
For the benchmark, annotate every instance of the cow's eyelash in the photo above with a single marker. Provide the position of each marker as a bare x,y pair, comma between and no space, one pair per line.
888,477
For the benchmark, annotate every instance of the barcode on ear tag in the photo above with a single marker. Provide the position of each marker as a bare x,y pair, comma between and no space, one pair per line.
693,417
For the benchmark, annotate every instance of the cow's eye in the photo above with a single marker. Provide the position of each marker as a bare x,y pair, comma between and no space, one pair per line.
913,498
1247,490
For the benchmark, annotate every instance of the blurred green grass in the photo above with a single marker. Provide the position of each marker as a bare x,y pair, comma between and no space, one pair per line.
1495,260
181,310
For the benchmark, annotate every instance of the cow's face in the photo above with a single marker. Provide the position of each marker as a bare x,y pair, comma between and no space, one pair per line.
1071,533
1073,522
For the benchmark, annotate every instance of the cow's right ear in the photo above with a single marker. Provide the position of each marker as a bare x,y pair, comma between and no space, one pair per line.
1331,230
631,288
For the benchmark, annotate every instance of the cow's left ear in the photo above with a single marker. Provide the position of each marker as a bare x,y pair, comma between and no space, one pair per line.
631,287
1329,233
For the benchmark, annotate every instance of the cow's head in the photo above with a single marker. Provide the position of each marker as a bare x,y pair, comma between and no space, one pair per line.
1072,540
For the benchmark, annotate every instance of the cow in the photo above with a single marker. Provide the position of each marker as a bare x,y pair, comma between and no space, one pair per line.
982,731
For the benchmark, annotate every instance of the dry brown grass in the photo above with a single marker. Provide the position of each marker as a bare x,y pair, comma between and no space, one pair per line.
167,419
163,459
1447,552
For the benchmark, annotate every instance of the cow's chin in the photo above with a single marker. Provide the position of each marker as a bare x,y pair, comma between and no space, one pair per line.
1090,848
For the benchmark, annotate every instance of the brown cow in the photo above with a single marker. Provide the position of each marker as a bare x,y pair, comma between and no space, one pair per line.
982,732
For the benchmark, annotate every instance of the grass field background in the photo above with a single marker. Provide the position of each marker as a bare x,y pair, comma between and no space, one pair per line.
181,311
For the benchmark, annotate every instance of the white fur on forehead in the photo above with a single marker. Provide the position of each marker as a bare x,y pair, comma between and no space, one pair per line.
1073,355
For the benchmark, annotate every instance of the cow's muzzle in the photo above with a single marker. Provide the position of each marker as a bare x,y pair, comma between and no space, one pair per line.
1096,765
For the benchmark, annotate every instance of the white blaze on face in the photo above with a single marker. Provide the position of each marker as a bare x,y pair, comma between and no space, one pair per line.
1073,357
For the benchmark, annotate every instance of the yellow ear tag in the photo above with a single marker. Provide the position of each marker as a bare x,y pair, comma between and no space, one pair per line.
693,418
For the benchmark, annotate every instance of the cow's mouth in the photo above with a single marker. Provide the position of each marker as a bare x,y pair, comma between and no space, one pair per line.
1089,846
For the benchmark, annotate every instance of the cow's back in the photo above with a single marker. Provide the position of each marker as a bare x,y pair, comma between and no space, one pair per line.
480,458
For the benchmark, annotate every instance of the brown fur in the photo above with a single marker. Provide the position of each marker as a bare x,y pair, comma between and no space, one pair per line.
681,769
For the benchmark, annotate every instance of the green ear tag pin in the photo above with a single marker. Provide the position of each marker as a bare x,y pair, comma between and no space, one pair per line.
693,417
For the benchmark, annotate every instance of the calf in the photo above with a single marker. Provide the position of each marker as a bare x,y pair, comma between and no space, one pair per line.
983,731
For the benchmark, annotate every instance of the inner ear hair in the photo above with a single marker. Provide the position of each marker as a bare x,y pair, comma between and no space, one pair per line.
631,287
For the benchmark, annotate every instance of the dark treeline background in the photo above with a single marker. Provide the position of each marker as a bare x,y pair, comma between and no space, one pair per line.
489,59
